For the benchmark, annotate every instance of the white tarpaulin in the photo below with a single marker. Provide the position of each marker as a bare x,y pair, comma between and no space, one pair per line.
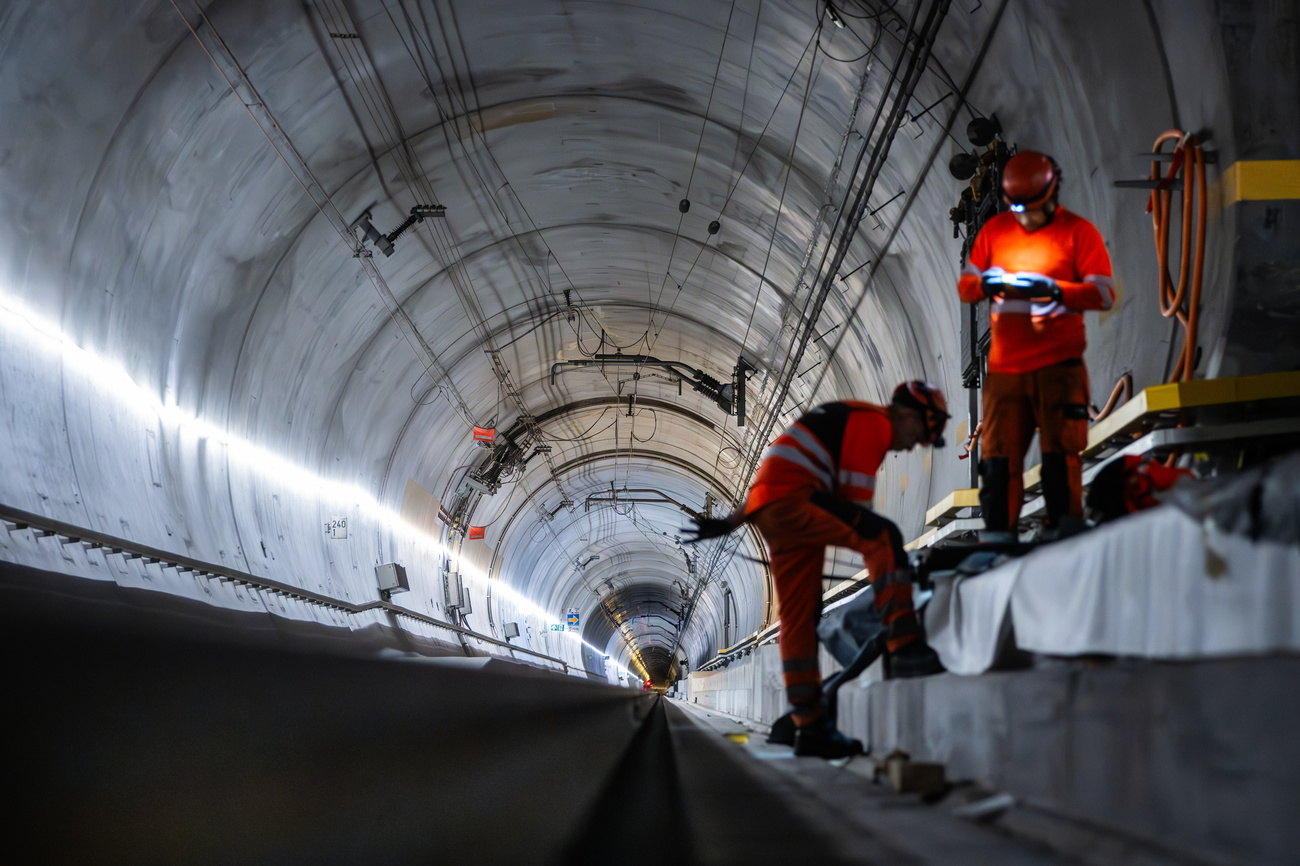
967,617
1159,584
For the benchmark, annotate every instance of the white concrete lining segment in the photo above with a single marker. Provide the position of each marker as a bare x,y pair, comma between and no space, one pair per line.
144,215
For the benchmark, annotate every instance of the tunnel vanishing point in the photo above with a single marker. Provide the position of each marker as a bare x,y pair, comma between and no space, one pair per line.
363,362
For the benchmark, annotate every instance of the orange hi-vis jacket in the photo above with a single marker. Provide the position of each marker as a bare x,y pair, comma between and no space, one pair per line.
1030,335
835,447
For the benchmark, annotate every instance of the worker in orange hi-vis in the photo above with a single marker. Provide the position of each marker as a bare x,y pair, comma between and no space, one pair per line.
813,490
1042,266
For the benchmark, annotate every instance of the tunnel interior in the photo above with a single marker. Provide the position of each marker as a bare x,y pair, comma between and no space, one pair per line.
627,215
373,355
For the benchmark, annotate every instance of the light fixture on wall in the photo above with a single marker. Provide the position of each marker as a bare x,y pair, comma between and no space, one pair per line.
19,322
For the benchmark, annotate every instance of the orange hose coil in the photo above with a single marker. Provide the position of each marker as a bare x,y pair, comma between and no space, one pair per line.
1183,301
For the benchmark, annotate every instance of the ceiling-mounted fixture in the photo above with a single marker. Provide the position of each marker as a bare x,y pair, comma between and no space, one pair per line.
982,130
384,242
729,397
637,494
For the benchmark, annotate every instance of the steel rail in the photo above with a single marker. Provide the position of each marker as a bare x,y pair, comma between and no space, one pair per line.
68,533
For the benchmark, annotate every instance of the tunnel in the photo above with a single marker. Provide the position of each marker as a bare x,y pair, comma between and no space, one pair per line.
367,363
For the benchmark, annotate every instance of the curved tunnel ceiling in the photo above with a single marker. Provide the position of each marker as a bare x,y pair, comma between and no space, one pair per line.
158,225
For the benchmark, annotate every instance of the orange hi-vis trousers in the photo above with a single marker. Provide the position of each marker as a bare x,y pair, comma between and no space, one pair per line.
798,529
1055,401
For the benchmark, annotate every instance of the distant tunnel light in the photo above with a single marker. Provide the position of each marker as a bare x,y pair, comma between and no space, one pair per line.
109,377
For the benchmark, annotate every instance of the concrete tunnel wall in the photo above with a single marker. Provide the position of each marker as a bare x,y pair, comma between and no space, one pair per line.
148,221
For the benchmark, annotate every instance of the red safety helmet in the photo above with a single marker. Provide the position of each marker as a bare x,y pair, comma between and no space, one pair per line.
1029,180
928,400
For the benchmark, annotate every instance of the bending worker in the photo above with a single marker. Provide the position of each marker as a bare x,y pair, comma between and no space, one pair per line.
812,491
1042,266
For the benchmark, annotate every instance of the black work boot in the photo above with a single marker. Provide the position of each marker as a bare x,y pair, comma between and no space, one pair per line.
822,739
915,659
995,493
783,731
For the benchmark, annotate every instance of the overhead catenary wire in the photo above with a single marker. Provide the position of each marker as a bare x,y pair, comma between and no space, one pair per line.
869,46
738,176
419,48
916,60
218,52
776,221
384,114
450,116
695,160
913,192
852,215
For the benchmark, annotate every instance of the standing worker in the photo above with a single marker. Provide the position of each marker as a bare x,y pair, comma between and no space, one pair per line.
812,490
1042,266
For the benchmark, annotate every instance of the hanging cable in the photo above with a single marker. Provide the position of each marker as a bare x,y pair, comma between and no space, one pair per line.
584,433
1119,395
851,214
704,125
655,415
735,183
1184,301
913,192
870,47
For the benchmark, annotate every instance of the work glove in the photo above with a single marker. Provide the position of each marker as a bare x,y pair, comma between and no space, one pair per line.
991,281
1022,285
1037,287
709,527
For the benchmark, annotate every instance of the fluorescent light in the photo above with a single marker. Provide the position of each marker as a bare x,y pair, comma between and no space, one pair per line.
109,377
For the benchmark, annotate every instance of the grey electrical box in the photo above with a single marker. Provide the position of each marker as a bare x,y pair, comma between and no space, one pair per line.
459,597
392,578
511,630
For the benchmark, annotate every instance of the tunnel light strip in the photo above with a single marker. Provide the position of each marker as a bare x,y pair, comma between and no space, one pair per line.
113,379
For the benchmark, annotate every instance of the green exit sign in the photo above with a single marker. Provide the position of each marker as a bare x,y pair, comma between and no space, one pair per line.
557,626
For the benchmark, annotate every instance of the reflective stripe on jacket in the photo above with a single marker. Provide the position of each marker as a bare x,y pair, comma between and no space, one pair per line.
1030,335
835,447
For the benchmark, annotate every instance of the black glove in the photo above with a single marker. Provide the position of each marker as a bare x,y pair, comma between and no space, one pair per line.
1041,290
709,527
1020,286
991,281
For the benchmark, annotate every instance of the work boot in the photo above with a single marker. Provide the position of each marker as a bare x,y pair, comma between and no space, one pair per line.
822,739
1065,527
783,731
915,659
